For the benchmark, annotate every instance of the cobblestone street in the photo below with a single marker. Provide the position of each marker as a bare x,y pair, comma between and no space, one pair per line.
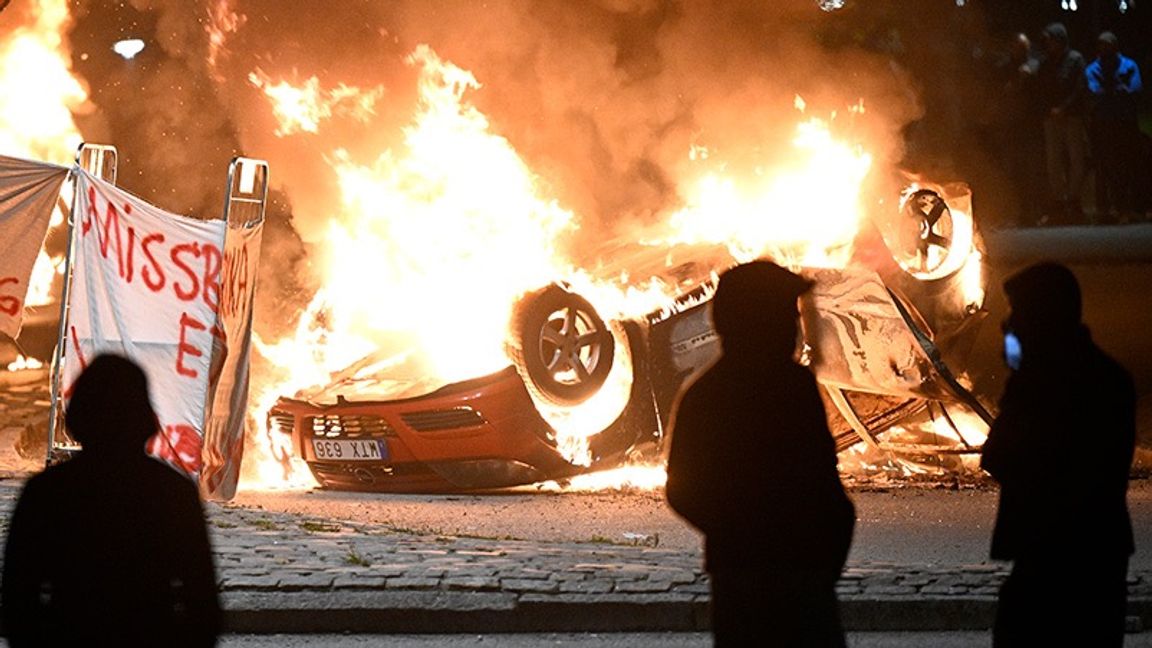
290,572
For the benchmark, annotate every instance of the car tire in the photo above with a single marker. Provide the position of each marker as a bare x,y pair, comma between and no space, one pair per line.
925,237
561,346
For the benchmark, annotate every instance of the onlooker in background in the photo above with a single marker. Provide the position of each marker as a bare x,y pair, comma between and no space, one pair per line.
753,466
1062,88
1020,134
1065,403
110,547
1114,83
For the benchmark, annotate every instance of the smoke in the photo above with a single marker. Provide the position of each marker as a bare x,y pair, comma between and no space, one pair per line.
603,99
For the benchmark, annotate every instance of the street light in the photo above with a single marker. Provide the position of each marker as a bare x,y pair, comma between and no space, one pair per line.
128,48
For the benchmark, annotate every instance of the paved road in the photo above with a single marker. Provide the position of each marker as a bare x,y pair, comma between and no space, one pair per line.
322,562
897,525
621,640
283,572
607,640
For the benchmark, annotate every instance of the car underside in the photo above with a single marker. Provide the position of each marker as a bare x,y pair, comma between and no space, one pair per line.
882,335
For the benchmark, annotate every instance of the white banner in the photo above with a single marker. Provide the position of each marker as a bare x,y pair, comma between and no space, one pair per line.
28,192
228,402
146,284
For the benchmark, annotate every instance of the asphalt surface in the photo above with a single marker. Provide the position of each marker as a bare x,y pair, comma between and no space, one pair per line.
898,523
373,564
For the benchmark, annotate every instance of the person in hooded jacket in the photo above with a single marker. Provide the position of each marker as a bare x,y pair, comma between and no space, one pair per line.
1061,449
752,465
109,548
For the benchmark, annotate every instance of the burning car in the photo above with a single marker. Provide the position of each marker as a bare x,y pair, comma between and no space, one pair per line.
583,392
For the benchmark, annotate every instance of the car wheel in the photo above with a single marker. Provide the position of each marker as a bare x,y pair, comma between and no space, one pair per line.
561,346
929,239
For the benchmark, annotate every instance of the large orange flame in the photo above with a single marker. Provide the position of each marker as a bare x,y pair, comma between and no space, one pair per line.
434,242
806,213
40,96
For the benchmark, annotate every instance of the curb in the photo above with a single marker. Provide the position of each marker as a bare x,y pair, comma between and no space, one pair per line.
499,613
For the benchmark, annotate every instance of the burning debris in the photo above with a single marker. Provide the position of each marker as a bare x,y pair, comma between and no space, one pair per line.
441,162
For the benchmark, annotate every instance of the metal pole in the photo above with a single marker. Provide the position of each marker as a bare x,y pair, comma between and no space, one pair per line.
61,336
99,158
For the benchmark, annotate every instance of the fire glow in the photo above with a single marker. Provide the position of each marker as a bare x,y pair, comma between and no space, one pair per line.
452,228
36,122
806,214
433,241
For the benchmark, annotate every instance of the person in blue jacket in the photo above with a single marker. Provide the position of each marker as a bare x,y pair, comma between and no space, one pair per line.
1114,84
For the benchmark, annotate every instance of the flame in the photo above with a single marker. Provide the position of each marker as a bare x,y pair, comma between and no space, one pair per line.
912,448
435,240
805,214
431,246
36,114
972,281
449,230
41,283
22,362
223,20
633,477
41,93
302,108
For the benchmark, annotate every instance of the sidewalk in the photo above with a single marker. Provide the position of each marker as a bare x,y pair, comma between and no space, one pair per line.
291,574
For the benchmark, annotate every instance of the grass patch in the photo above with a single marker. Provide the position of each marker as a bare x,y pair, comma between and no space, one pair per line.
265,524
221,524
313,526
354,558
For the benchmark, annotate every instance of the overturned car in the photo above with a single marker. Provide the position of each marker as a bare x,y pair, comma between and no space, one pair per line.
882,335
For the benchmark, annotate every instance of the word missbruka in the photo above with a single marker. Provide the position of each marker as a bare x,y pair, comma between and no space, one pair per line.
190,269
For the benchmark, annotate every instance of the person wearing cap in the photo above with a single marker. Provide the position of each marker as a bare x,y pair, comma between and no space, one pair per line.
752,465
1060,448
109,548
1115,85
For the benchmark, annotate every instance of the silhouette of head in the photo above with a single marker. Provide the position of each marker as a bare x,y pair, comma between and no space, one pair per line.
1055,39
1020,48
1045,303
110,409
1108,46
755,308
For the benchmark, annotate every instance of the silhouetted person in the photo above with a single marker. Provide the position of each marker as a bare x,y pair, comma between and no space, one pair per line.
1019,132
109,548
753,466
1063,90
1061,449
1115,85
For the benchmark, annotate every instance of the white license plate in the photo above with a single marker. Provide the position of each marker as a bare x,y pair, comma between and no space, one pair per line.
365,450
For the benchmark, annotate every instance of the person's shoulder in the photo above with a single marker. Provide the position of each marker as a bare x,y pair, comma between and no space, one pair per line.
161,474
1111,371
53,481
708,379
58,473
43,479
